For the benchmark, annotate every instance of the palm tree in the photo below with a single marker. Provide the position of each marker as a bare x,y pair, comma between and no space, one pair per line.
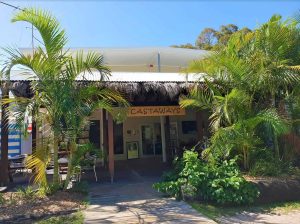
250,75
81,102
243,136
57,70
4,134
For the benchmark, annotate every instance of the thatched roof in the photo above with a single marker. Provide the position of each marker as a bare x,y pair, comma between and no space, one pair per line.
137,93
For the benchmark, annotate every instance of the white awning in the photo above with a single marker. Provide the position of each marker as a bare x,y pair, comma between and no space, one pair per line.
121,77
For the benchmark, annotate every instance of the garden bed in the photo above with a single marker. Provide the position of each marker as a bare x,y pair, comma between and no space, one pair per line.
16,209
277,189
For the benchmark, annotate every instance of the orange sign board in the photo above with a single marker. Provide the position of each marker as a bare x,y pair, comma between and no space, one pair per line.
155,111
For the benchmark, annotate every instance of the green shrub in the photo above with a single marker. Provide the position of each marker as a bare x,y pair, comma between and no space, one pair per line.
219,182
76,218
81,187
265,164
271,167
173,174
27,193
2,199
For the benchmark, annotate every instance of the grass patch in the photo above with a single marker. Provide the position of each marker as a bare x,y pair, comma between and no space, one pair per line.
76,218
215,211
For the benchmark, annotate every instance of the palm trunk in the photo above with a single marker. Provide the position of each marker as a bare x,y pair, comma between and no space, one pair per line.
4,174
70,163
246,159
275,139
276,146
55,158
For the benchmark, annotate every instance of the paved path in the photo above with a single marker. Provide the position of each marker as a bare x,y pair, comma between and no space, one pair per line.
137,203
250,217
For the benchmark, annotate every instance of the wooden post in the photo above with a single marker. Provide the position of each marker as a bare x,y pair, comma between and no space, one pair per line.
105,137
200,125
4,175
33,134
111,159
102,135
168,139
205,120
163,138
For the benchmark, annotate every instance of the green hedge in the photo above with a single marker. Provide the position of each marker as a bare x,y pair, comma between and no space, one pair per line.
219,182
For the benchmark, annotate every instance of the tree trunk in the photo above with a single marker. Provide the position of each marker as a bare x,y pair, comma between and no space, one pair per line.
4,140
70,163
55,157
275,139
246,160
33,135
276,147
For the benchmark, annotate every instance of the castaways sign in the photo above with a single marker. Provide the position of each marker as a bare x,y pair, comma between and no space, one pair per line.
155,111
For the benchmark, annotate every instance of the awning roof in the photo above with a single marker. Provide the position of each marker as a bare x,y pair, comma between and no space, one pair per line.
121,77
144,59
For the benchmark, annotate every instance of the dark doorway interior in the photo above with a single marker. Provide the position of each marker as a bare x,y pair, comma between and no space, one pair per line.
118,138
94,134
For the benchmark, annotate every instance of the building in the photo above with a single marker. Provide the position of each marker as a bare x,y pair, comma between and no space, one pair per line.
152,81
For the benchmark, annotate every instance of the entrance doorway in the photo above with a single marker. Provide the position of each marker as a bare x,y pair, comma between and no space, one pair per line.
94,133
173,135
151,139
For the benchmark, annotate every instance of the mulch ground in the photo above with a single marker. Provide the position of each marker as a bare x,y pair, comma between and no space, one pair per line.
15,205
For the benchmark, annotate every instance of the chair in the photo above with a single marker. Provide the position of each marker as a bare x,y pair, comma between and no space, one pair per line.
62,167
89,161
16,164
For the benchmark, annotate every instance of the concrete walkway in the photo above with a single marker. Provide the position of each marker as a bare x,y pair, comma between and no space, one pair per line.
267,218
137,203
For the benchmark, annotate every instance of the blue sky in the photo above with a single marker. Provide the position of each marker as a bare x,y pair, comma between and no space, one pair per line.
140,23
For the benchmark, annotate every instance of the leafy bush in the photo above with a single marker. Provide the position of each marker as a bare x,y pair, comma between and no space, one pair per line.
76,218
81,187
45,190
265,164
219,182
271,167
27,193
173,174
2,199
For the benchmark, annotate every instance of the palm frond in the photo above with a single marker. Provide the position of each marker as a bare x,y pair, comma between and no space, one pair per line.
53,35
270,118
39,161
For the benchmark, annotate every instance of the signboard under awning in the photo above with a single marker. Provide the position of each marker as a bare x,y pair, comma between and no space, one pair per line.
151,111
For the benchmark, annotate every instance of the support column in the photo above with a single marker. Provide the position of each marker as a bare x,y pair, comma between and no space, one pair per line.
200,125
111,159
163,138
34,135
168,139
105,137
102,136
205,114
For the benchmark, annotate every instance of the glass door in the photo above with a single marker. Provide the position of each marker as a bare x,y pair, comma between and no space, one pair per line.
157,140
147,139
173,135
151,139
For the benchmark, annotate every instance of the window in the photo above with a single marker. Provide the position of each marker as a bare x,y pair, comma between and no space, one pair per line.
189,127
